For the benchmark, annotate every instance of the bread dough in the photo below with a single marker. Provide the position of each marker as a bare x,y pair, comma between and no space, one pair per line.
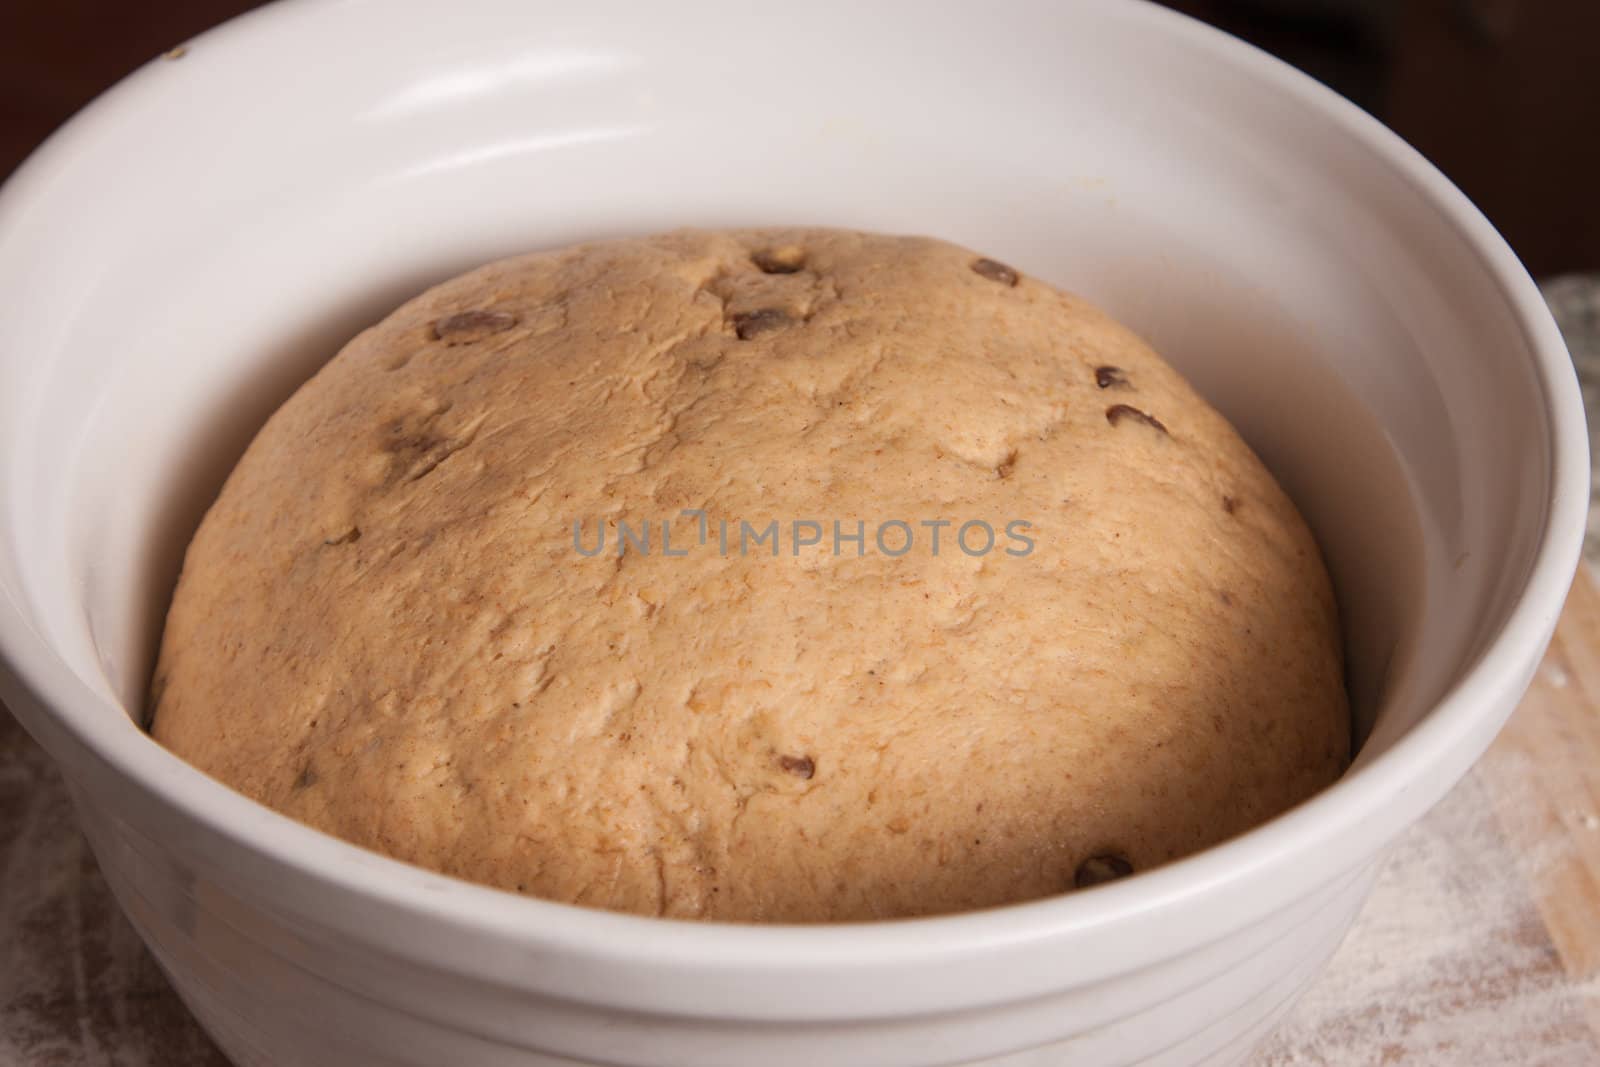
388,626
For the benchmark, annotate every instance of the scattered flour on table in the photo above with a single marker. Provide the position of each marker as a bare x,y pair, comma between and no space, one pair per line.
1449,964
77,987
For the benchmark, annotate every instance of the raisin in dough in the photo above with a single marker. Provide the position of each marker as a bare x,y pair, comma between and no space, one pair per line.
383,628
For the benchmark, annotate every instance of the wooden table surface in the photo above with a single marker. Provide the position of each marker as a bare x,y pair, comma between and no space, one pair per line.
1479,948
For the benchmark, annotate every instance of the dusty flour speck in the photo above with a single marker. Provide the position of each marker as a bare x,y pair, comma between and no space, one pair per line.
1449,964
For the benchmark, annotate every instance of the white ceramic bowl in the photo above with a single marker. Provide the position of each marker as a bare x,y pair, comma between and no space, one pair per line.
193,245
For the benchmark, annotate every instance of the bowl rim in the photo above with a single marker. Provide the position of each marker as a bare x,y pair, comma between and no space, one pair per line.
72,717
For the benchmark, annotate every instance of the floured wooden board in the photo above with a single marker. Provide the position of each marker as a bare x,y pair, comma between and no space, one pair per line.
1479,948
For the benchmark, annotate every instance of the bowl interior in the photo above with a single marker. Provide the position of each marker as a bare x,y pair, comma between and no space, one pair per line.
1308,286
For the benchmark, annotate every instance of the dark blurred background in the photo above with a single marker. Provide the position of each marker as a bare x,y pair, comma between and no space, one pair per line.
1502,95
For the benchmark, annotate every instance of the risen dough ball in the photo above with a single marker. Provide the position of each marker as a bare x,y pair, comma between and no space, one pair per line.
385,626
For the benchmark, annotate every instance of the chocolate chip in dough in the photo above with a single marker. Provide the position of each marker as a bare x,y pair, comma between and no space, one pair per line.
995,271
347,536
785,259
755,323
799,766
467,327
1110,378
1106,867
1117,412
